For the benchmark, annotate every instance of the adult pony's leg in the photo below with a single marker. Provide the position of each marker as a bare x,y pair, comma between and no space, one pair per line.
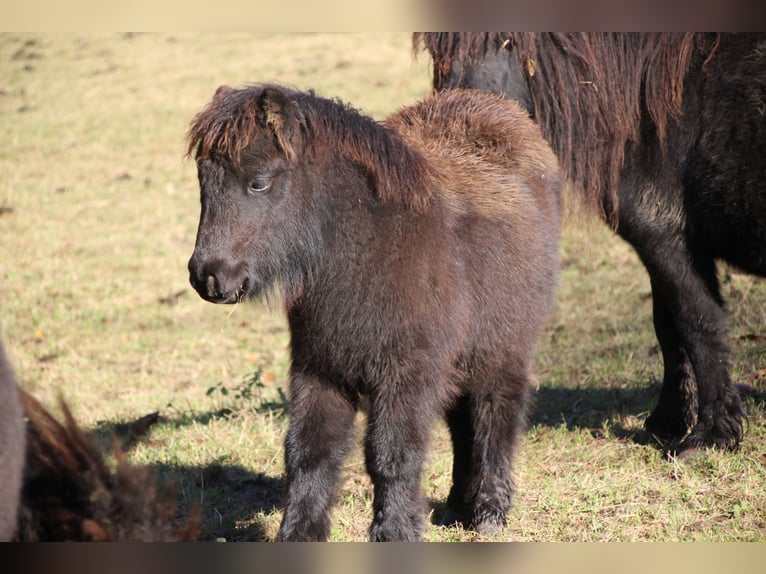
398,430
701,323
676,410
498,415
318,439
688,286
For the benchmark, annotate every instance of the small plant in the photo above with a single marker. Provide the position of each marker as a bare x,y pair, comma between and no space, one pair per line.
247,395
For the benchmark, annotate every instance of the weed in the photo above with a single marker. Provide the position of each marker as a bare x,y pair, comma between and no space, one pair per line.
246,395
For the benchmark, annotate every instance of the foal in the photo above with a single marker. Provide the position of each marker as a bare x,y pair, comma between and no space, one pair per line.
417,259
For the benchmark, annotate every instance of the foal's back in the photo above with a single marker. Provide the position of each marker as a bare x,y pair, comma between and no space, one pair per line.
500,188
492,157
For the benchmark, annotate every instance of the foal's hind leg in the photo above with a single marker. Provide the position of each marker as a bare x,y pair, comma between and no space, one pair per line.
485,431
460,425
318,439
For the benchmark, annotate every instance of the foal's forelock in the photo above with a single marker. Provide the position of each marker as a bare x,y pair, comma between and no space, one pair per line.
232,121
235,120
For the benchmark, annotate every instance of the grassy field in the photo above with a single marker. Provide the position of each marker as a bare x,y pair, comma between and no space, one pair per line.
98,215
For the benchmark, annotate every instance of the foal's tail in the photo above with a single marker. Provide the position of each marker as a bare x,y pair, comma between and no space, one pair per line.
70,493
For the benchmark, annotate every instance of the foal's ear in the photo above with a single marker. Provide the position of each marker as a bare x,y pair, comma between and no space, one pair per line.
282,115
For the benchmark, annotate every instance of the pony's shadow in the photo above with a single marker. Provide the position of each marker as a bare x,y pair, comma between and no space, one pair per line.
599,410
231,500
604,411
228,500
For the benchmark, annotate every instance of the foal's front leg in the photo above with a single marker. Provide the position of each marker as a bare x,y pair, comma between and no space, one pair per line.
397,438
318,439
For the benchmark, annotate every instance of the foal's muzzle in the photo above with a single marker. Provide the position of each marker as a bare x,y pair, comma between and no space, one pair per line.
219,281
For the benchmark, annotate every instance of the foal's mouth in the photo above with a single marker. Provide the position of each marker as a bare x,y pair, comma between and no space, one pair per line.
239,294
209,291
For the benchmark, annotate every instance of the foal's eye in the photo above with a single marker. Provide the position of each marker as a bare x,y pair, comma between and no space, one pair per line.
260,184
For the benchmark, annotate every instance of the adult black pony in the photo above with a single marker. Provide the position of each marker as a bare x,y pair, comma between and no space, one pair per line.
664,134
417,259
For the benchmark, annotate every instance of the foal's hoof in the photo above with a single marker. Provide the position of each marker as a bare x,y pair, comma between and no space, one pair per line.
488,522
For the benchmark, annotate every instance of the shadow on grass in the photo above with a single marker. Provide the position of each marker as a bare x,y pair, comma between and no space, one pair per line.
603,411
594,408
233,501
228,498
127,433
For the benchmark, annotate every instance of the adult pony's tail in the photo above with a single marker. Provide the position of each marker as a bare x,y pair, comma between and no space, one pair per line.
70,493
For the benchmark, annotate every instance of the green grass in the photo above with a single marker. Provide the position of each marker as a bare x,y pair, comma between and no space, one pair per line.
98,214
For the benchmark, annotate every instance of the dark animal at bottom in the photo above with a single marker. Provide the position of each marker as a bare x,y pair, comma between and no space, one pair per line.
12,445
57,485
664,135
71,493
417,259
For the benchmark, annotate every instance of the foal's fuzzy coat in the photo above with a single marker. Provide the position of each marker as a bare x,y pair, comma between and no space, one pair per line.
418,261
70,492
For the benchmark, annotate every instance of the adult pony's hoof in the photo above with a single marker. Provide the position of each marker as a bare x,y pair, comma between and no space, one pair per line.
724,433
488,527
452,518
690,454
665,425
701,438
676,412
722,426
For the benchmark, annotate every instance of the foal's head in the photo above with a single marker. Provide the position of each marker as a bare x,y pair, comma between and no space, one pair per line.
270,162
253,215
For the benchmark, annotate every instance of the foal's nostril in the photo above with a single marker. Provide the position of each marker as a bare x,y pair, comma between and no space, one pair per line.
211,286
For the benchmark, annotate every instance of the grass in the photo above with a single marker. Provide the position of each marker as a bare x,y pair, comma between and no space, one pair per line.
98,214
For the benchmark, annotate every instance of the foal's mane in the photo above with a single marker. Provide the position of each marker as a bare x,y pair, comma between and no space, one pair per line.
318,127
589,91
